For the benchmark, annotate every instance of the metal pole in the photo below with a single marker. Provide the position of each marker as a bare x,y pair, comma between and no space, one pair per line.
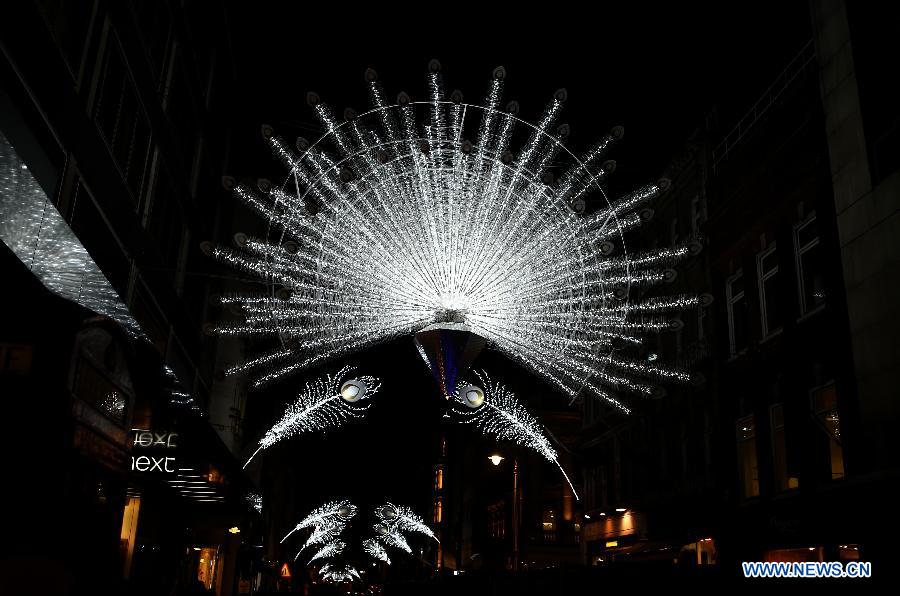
515,513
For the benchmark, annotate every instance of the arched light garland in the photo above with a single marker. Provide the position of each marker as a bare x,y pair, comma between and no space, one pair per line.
495,411
422,212
325,403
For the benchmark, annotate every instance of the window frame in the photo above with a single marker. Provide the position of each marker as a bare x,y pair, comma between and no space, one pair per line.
816,412
799,251
747,493
761,278
730,301
773,430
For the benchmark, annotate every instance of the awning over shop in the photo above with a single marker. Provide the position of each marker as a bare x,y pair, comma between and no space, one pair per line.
34,230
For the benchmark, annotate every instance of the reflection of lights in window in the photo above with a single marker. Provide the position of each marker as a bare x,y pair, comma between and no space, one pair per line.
113,403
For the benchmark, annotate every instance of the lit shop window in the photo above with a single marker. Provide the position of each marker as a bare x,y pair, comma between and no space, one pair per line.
824,403
438,511
746,448
549,525
736,301
767,274
783,480
206,566
810,273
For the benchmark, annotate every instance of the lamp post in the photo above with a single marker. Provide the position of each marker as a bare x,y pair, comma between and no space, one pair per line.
496,459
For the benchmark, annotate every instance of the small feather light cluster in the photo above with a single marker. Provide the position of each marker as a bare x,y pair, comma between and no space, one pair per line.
496,412
392,525
325,403
330,521
414,213
339,573
327,522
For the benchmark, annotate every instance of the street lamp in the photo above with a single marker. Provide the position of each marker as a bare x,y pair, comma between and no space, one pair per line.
496,459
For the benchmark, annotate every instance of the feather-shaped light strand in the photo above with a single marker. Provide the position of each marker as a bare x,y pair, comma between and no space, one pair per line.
325,403
496,412
375,550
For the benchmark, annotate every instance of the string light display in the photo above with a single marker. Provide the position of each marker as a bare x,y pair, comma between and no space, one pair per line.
329,523
494,410
324,403
339,573
421,212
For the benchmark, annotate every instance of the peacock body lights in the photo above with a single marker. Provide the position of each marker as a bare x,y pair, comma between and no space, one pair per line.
417,214
325,403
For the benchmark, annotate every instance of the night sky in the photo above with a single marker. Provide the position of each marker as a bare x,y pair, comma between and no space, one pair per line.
657,70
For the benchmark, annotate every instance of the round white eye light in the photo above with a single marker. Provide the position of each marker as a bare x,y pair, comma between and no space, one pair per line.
473,396
353,390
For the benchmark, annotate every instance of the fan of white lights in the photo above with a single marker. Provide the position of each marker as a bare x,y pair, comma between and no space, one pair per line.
331,520
495,411
443,211
325,403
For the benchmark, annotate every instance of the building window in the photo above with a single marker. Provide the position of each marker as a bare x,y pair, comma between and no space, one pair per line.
746,448
122,121
496,519
438,478
810,274
438,510
707,444
549,525
70,23
767,274
698,215
166,224
783,480
824,403
94,387
736,301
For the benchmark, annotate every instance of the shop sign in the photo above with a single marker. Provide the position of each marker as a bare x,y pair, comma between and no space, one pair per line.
150,463
164,440
158,444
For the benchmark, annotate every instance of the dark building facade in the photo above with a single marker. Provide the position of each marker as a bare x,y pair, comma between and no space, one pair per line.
784,433
113,139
